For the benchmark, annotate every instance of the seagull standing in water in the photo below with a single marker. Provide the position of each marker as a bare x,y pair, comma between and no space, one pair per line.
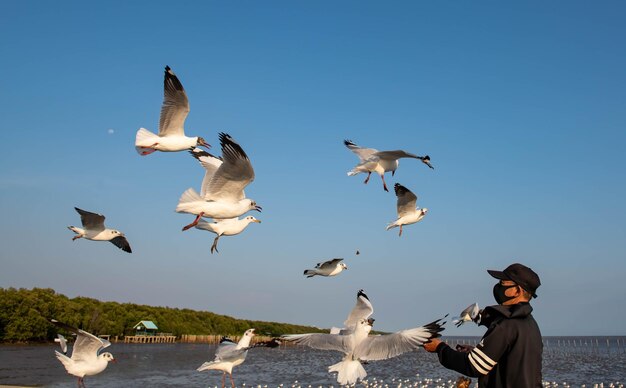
380,162
85,360
230,354
174,111
357,346
95,230
228,227
407,212
222,195
328,268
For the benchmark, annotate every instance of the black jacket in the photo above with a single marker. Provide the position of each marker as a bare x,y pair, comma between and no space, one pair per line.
508,355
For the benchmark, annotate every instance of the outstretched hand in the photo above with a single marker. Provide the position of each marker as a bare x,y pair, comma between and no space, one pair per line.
431,346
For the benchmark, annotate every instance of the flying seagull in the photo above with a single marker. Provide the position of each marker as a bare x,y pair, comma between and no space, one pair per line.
228,227
407,212
230,354
95,230
358,346
470,313
362,310
328,268
222,195
174,111
371,160
85,360
62,343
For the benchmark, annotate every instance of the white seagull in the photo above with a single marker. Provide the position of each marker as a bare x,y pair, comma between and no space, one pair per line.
228,227
230,354
174,111
357,346
328,268
380,162
469,314
407,212
362,310
222,195
95,230
85,360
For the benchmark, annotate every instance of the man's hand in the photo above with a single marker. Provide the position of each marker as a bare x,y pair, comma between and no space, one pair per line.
464,348
431,346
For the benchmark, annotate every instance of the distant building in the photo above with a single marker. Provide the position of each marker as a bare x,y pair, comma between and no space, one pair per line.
145,328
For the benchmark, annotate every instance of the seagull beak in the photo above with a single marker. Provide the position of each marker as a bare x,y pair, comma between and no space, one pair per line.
371,321
257,221
258,208
253,332
114,360
204,144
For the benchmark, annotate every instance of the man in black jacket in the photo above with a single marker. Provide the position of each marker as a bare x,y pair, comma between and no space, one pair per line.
509,354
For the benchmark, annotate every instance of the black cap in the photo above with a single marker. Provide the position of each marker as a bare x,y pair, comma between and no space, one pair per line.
521,275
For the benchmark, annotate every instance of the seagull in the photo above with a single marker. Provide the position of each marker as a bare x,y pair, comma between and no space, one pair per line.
357,346
85,360
230,354
407,212
174,111
94,229
372,160
469,314
328,268
362,310
228,227
62,342
222,194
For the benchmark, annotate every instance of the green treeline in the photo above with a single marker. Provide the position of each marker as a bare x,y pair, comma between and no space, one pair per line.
23,316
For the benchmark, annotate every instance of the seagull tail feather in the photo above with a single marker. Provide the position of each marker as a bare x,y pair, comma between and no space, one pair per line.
143,139
352,173
189,196
207,366
391,225
75,229
309,273
348,371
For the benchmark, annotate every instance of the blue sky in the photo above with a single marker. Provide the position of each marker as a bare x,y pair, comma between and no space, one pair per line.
521,107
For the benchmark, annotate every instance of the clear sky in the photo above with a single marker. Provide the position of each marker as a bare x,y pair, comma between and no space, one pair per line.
521,106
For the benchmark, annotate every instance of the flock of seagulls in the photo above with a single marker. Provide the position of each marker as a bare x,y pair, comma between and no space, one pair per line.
222,199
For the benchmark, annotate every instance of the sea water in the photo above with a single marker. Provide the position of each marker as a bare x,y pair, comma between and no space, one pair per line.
585,361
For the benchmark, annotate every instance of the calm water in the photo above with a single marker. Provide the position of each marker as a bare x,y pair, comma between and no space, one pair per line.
173,365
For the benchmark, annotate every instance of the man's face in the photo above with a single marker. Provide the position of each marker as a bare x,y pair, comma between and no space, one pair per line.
511,291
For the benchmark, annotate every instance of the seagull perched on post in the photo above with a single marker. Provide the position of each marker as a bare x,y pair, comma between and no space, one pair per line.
380,162
94,229
328,268
222,195
230,354
174,111
85,360
407,212
357,346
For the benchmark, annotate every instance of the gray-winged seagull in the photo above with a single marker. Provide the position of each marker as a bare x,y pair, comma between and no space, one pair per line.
95,230
328,268
407,212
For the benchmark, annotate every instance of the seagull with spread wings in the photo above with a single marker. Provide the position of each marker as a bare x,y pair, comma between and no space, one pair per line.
85,360
357,345
470,313
362,310
328,268
371,160
174,111
408,213
230,354
94,229
222,195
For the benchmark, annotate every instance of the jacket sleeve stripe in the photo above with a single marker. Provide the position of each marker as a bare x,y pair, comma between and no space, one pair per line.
482,355
477,366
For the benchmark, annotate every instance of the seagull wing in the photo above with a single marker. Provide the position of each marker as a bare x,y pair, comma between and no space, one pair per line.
328,265
210,164
362,153
233,175
362,310
122,243
91,221
340,343
387,346
395,155
227,351
86,346
406,200
175,106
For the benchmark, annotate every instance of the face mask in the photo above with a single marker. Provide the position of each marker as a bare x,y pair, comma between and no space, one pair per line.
499,293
